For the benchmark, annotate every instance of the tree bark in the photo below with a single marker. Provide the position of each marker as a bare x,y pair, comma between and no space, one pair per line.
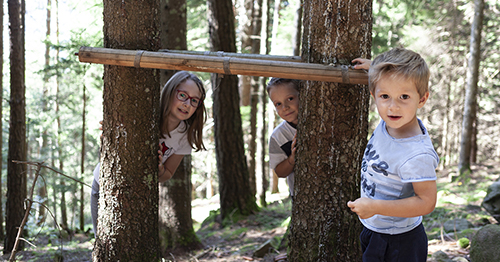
234,186
246,47
298,29
471,92
128,203
42,190
271,113
176,223
16,173
82,162
332,133
2,232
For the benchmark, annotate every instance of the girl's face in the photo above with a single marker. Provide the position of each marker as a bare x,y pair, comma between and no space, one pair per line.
183,110
285,99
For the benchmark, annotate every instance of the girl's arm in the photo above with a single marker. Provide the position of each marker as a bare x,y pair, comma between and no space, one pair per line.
167,169
421,204
284,168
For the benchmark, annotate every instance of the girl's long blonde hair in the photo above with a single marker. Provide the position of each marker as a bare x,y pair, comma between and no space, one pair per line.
194,124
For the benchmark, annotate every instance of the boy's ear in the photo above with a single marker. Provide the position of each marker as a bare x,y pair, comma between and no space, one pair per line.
423,99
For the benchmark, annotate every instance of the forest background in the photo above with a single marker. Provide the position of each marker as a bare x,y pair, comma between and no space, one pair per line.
439,30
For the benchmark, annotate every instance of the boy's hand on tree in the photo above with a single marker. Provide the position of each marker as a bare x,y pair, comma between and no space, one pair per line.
362,206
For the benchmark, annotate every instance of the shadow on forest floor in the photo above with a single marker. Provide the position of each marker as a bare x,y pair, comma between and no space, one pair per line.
239,241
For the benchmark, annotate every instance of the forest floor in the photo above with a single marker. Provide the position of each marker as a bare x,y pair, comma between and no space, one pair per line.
240,240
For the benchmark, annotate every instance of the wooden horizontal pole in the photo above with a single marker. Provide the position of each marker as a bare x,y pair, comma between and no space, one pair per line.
223,65
238,55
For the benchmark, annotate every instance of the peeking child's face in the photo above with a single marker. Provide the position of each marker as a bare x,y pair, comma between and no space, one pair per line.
185,101
285,99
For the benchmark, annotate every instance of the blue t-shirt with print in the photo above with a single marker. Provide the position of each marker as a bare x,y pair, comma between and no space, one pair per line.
389,167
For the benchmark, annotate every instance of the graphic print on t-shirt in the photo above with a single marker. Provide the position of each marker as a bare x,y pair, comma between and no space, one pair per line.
165,148
379,167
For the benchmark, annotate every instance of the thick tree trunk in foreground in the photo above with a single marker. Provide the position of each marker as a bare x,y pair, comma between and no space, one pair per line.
332,135
128,203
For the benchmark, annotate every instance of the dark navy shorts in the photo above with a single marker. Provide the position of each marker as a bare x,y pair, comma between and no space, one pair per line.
406,247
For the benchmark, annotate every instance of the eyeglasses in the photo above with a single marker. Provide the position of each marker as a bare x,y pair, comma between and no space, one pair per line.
183,97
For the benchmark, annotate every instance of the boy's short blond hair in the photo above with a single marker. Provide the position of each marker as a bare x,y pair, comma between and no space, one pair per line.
278,81
400,62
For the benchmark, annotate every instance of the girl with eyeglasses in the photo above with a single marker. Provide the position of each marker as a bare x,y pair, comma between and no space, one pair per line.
182,117
181,121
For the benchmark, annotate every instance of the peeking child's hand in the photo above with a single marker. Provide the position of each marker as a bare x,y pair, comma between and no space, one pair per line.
362,207
161,167
294,148
362,63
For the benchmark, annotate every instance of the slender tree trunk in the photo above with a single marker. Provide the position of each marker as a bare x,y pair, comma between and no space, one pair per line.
471,92
298,29
265,46
255,17
175,220
64,214
331,135
246,47
16,173
259,97
276,22
473,149
270,111
2,232
42,190
234,187
82,163
128,203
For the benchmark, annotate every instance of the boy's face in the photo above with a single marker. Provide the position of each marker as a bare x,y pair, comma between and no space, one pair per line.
397,102
286,101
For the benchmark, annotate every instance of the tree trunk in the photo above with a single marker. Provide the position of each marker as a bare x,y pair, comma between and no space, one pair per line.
82,163
246,47
266,175
128,203
255,17
176,223
259,97
332,132
270,111
471,92
42,190
16,173
234,186
175,220
64,216
298,29
2,232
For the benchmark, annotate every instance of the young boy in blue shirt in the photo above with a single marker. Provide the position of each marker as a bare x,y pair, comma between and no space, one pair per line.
398,178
